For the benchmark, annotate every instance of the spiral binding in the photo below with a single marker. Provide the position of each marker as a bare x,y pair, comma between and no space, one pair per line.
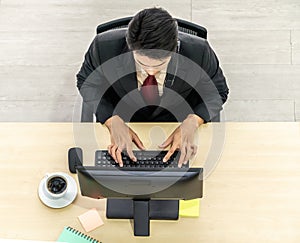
82,235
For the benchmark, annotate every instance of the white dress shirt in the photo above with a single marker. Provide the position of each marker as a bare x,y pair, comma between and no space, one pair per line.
141,75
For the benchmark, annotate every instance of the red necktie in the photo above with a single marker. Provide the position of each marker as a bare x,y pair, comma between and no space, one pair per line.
150,90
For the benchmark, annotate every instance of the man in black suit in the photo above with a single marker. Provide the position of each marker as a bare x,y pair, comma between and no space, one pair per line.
151,73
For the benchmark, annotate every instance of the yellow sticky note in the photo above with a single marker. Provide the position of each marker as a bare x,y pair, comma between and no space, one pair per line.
189,208
90,220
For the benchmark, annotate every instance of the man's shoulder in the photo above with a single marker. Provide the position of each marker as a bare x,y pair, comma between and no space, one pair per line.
113,35
110,44
193,47
192,41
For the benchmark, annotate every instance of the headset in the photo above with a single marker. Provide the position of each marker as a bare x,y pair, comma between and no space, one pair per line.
178,46
169,82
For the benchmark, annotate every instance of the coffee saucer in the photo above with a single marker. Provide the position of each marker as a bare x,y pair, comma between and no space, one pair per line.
63,201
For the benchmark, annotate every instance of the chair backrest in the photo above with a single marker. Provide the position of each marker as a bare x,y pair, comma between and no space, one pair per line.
183,26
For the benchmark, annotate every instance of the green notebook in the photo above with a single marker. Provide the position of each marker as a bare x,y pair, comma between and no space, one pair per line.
71,235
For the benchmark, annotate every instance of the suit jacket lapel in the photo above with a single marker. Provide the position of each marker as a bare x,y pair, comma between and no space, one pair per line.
126,72
127,80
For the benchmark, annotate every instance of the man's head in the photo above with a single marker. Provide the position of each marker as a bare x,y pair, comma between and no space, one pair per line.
152,33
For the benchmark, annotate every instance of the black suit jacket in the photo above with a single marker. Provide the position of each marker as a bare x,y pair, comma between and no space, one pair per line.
194,83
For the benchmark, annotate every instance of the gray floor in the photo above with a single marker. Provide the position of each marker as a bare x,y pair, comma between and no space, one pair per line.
42,44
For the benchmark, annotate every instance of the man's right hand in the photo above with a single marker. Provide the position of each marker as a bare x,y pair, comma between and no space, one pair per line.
121,137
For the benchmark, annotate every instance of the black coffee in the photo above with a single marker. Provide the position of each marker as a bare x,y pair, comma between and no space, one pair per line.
57,185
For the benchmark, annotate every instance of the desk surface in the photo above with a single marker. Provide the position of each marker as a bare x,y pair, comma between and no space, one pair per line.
251,196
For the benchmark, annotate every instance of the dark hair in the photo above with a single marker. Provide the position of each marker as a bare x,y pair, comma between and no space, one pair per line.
152,28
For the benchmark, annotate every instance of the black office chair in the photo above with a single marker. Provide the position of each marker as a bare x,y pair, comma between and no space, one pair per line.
183,26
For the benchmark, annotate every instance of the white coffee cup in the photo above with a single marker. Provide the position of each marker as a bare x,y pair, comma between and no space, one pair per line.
56,185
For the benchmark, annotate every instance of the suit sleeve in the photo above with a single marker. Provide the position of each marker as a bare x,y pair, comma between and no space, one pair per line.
212,86
92,83
91,62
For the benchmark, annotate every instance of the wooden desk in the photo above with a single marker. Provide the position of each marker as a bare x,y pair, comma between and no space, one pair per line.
252,195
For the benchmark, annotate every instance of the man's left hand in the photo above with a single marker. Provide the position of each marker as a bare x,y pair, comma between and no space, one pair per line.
183,139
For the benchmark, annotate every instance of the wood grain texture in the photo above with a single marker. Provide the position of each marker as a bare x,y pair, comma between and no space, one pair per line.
52,110
42,42
295,38
297,109
43,48
260,110
39,83
255,81
235,15
251,46
78,15
252,195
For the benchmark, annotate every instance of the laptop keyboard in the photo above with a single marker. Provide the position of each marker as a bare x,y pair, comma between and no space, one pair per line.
146,159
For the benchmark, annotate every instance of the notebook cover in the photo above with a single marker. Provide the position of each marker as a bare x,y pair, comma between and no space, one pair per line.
71,235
